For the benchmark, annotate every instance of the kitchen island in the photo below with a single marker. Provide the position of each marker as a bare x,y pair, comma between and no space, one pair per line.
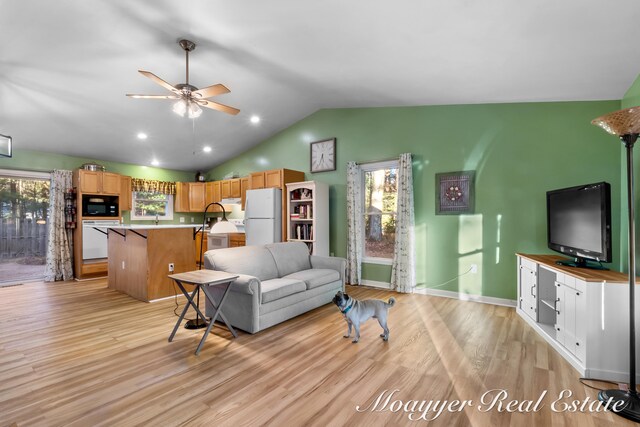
139,258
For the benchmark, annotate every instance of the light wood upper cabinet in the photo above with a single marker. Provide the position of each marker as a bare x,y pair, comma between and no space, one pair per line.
197,192
244,186
273,179
181,198
110,183
93,182
235,187
125,193
89,181
193,196
225,189
213,195
256,180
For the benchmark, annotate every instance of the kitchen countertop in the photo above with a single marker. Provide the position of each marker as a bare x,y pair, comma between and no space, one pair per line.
146,226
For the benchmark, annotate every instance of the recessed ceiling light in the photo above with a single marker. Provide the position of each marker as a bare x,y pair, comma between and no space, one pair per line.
142,135
155,162
206,149
255,119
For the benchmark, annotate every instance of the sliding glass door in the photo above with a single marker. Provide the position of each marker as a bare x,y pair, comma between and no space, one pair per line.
24,212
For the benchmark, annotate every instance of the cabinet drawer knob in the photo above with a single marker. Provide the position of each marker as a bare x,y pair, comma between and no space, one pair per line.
578,344
558,329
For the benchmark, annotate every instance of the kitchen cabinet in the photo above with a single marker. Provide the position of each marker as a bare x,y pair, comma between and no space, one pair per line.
96,183
125,193
256,180
273,179
244,186
230,188
236,239
197,192
181,198
212,194
225,189
93,182
235,187
201,238
190,197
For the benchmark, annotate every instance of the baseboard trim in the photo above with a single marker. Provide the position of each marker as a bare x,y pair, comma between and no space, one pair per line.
447,294
465,297
376,284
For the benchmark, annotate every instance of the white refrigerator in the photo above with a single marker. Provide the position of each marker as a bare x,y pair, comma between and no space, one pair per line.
263,216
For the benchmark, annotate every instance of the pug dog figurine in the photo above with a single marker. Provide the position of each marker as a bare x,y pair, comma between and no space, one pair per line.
357,312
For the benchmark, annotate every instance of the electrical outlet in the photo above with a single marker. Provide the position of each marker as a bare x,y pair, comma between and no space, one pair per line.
182,220
474,268
171,267
193,219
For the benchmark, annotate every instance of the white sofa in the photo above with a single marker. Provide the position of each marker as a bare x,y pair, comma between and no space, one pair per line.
277,282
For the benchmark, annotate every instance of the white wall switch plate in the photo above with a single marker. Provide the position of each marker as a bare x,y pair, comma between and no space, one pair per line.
474,268
182,220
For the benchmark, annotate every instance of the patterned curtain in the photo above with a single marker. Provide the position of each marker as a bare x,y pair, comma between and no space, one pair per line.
152,185
403,277
354,224
60,243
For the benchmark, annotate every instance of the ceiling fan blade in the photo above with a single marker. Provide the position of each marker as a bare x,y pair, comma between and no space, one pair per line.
217,106
158,80
209,91
154,96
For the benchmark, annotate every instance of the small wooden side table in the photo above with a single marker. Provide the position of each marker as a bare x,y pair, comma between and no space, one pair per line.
204,279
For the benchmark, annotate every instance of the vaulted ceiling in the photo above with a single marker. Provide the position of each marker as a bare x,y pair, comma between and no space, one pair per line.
66,65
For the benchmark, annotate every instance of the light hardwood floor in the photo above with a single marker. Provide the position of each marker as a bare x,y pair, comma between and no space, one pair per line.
80,354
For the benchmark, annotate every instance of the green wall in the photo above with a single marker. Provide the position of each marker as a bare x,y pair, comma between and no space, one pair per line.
519,151
631,99
46,162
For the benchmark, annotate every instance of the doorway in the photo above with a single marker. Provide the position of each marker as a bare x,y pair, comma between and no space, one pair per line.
24,224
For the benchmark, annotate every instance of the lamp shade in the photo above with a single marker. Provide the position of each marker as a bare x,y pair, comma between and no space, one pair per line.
223,226
621,122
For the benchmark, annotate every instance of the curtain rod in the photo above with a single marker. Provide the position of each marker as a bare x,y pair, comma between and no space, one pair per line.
378,161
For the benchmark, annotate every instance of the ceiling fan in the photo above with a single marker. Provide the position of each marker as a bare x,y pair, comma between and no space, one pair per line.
189,97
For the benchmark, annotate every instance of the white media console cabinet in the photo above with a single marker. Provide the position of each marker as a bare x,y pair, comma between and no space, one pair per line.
582,313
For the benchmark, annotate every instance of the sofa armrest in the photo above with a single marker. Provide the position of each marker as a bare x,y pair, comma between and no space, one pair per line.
246,284
333,263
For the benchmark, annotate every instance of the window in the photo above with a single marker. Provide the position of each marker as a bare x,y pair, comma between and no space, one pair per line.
380,192
148,205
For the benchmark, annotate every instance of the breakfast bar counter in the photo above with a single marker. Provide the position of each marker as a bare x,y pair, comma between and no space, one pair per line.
140,255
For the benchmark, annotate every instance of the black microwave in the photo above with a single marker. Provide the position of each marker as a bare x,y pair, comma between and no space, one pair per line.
93,205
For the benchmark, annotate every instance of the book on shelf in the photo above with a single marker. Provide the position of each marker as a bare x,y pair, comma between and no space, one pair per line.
304,232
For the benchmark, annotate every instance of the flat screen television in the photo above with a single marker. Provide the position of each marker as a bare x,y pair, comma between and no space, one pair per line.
579,224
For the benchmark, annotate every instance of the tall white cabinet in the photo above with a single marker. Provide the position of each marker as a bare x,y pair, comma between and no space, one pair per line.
308,215
581,313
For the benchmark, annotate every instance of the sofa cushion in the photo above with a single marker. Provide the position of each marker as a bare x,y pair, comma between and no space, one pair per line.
315,277
290,257
254,261
282,304
279,288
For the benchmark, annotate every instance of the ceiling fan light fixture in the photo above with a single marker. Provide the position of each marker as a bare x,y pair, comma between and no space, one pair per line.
180,107
194,110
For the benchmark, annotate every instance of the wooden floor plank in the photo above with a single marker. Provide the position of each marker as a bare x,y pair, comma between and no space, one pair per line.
80,354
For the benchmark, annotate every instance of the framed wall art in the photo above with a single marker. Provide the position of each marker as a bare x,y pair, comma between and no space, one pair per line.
455,193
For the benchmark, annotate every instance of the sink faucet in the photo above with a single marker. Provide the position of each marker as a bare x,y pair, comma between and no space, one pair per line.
156,219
